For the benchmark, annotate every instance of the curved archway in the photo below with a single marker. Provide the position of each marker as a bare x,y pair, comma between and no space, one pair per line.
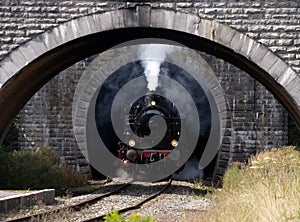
34,63
106,63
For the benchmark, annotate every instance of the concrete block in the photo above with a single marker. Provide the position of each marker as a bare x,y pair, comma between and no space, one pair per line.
85,23
66,33
80,139
17,201
83,104
75,28
79,130
247,44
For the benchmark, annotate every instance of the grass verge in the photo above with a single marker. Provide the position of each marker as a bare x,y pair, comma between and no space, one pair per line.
266,190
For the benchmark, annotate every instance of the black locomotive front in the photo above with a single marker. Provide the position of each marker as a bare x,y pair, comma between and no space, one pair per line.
140,117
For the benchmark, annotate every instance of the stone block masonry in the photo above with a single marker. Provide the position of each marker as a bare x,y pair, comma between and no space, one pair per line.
273,23
256,120
47,119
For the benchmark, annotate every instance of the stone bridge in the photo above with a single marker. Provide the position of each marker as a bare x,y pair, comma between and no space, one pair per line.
252,47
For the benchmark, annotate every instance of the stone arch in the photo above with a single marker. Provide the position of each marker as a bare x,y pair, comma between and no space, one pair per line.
32,64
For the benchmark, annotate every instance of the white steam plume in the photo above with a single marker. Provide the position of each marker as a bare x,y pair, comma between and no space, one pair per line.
152,55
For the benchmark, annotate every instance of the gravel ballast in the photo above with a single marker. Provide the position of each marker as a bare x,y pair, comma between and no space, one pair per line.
181,200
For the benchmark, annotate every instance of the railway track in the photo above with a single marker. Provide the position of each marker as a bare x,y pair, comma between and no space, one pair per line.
90,202
134,206
77,206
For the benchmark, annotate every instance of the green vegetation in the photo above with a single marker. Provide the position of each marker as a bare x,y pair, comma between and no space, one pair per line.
38,169
116,217
266,190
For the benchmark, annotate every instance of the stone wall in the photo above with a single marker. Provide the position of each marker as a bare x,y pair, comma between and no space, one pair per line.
273,23
47,118
256,120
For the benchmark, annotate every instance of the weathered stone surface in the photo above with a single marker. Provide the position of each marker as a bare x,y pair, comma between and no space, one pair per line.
118,20
103,21
18,59
223,34
268,61
257,53
161,19
186,22
278,69
236,43
46,118
131,18
206,29
293,87
4,76
144,16
38,46
9,67
287,77
25,199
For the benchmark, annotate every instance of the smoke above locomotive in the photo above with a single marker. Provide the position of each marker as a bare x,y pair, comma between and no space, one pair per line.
151,57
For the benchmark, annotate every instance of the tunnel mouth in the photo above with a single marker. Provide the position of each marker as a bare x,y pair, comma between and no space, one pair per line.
49,64
184,78
163,107
59,58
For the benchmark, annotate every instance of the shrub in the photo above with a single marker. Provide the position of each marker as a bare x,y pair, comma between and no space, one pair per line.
116,217
39,169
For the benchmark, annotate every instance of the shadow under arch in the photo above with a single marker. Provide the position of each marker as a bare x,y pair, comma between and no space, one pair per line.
21,86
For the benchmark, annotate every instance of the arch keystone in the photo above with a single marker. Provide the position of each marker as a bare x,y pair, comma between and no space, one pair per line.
162,19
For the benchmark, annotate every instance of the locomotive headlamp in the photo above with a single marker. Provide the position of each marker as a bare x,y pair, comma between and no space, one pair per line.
174,143
131,143
153,103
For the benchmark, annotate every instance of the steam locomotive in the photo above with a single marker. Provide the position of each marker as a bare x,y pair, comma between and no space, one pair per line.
139,119
138,116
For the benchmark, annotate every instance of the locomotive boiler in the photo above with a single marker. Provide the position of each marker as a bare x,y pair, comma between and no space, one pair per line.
139,119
